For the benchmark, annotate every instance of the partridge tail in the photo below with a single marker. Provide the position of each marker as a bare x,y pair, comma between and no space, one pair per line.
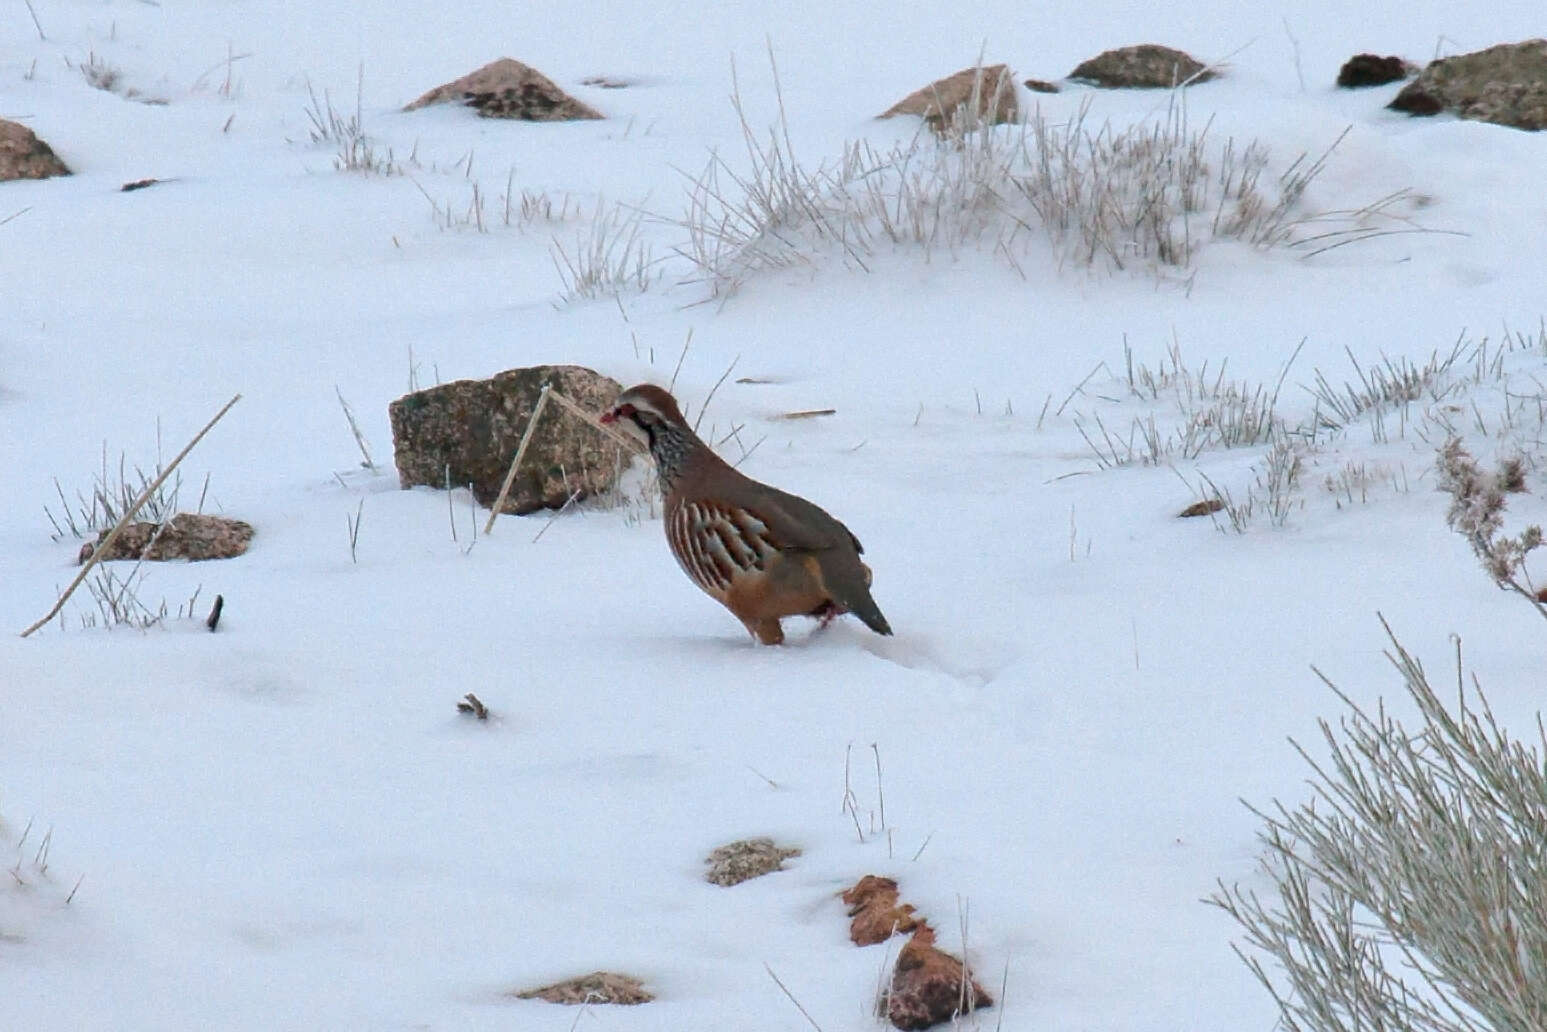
866,609
848,582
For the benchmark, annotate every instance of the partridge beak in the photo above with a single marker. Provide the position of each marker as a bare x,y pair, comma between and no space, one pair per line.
609,417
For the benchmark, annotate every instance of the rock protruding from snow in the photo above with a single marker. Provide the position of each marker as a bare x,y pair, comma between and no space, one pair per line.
746,859
1363,70
986,94
929,986
597,987
466,432
24,156
875,913
1143,67
509,89
188,535
1505,85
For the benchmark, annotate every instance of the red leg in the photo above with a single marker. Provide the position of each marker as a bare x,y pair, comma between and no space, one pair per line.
827,612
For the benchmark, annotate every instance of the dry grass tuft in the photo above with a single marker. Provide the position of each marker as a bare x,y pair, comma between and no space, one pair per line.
1149,196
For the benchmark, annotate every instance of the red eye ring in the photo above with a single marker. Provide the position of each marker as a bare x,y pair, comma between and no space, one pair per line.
617,413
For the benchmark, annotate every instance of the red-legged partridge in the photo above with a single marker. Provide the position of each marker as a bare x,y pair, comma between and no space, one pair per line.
760,552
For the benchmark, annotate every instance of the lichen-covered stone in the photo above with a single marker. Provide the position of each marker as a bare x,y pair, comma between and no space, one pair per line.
192,536
1146,66
24,156
472,428
746,859
509,89
1505,85
597,987
987,93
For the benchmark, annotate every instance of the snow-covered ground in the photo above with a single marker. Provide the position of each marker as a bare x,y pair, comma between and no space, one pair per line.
286,824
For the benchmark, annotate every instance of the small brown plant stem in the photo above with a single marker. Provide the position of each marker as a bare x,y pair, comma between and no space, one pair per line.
35,23
591,418
515,463
786,990
526,438
123,521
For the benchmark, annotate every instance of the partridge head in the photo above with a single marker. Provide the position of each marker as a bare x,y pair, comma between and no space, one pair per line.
762,553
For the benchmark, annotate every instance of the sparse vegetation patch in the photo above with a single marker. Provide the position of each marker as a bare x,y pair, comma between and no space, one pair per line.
1148,196
1408,893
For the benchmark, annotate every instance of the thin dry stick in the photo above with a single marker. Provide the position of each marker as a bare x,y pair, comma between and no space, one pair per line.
880,796
36,24
561,511
923,846
791,995
112,535
510,475
672,386
705,406
591,418
354,428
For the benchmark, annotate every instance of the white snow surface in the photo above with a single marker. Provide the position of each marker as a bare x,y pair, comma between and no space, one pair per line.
287,825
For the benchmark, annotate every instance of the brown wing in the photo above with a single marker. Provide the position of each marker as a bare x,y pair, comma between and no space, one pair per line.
715,543
796,522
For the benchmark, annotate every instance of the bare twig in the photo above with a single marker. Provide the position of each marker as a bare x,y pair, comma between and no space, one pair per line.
880,795
786,990
354,428
807,414
355,522
35,23
515,463
705,406
591,418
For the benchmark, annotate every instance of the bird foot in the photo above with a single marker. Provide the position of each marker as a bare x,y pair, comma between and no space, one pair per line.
827,612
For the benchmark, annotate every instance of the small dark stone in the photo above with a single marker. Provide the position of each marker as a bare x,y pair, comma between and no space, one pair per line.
1416,100
1201,508
1372,70
1041,86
